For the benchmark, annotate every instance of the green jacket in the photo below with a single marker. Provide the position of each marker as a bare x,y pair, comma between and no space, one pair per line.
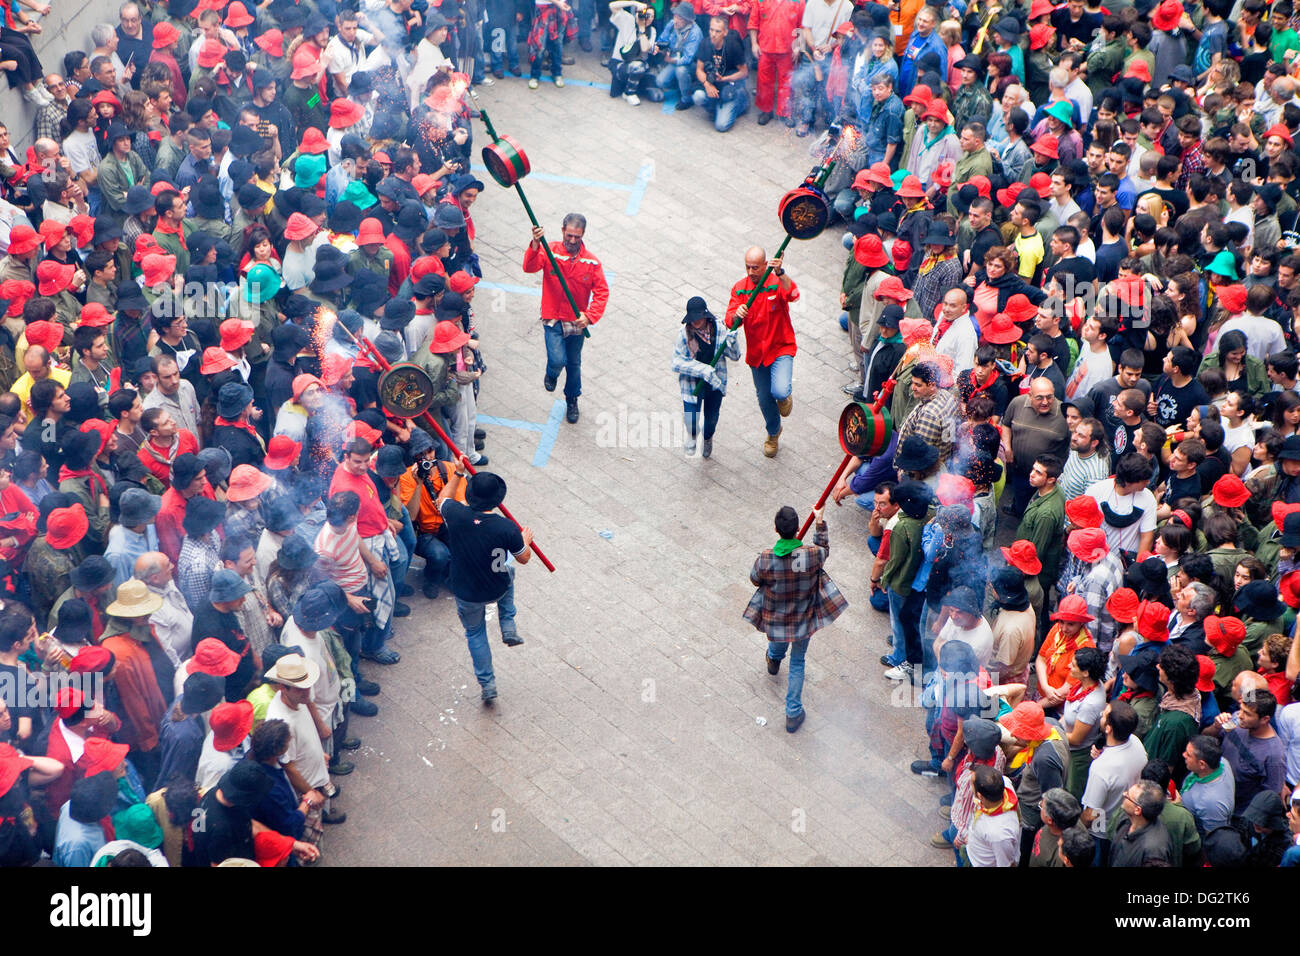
215,228
1044,525
1256,632
172,246
855,276
446,390
1103,66
904,555
978,163
78,489
381,263
1257,382
1226,560
1168,738
115,178
972,103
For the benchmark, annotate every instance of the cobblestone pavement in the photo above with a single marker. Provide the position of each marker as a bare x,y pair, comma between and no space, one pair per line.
638,723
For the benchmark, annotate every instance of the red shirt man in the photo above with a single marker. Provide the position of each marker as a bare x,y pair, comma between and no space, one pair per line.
353,474
772,25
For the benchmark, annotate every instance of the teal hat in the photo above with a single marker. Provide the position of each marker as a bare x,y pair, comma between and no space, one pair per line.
1062,111
138,824
1224,264
898,177
357,193
261,284
308,169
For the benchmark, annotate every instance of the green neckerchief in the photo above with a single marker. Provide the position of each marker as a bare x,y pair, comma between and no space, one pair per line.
785,545
927,142
1191,779
895,338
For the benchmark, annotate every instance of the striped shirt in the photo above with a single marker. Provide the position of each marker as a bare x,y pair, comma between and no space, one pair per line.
1079,473
340,557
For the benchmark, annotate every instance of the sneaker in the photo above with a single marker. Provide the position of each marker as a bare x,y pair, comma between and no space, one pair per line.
350,743
342,768
511,639
794,723
559,81
548,383
363,708
515,71
571,416
501,74
632,99
382,656
368,688
334,816
788,121
925,768
479,444
430,590
764,119
401,610
684,104
886,662
532,84
478,461
585,43
940,842
489,693
487,81
901,671
689,446
850,389
707,450
771,445
853,368
773,666
945,812
785,406
480,434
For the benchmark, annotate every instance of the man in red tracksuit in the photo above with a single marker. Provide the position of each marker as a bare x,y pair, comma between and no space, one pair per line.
565,332
772,26
769,338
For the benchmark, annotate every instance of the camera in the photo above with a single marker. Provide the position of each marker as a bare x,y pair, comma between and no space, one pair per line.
426,464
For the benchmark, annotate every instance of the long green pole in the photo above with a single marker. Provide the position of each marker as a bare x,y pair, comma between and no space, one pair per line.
758,286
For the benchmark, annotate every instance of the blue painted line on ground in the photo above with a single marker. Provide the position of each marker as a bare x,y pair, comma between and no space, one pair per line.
511,423
639,187
670,102
568,180
549,434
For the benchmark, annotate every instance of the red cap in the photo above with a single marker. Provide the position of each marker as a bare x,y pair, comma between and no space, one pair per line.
281,452
461,282
1083,512
95,316
212,657
65,527
1153,622
91,660
1023,556
68,701
1224,634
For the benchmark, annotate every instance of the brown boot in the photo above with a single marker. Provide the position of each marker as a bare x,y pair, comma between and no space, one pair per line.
770,445
785,405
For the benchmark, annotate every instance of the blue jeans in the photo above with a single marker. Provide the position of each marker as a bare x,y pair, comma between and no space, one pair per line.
564,352
437,558
773,383
405,547
499,41
683,76
586,11
727,107
711,402
556,50
473,619
808,93
905,621
794,691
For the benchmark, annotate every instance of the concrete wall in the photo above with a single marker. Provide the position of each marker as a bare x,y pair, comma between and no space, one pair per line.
66,28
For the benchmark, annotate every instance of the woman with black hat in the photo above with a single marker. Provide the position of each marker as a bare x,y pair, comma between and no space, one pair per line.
701,338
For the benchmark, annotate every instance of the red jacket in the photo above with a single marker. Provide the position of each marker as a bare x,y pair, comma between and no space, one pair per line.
401,267
156,460
60,789
769,333
582,272
169,522
776,22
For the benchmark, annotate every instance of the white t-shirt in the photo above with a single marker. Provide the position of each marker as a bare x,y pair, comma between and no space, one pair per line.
81,150
1127,538
1117,769
979,638
994,840
959,343
1242,436
1097,366
1086,710
1263,335
213,763
305,750
625,23
820,18
325,695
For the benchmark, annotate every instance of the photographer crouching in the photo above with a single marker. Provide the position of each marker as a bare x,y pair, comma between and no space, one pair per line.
634,46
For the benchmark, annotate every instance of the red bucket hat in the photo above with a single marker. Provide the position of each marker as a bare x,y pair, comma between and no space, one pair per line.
212,53
1205,674
921,95
158,268
215,360
230,723
371,436
48,335
272,41
235,334
1027,721
53,277
212,657
869,251
1048,145
1020,308
447,337
1279,512
1009,195
1088,544
299,227
301,383
16,292
345,113
1281,132
23,239
92,660
83,229
1166,17
1232,298
237,16
1083,512
101,428
1040,34
981,184
101,755
1153,622
911,188
95,316
1122,605
1001,330
1041,183
371,233
52,231
1073,609
164,35
915,330
144,245
1023,556
1289,589
1224,634
901,254
65,527
334,368
1230,492
893,288
313,141
270,848
12,765
937,109
246,483
281,452
305,64
879,173
461,282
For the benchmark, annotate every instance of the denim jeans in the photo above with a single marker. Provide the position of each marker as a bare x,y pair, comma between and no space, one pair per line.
794,690
711,400
807,92
399,567
564,352
586,11
407,539
473,619
727,107
556,50
773,383
683,76
905,620
437,558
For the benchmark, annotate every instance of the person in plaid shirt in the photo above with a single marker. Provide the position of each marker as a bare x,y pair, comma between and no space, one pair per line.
795,599
934,416
702,336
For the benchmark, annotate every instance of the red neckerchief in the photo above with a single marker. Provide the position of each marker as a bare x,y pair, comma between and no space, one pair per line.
178,232
1078,692
238,424
977,387
1138,694
66,472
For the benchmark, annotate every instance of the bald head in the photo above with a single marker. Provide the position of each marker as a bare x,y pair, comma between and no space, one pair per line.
1041,389
153,568
755,262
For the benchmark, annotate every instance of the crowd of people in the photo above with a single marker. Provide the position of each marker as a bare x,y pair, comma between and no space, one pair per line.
232,221
1070,291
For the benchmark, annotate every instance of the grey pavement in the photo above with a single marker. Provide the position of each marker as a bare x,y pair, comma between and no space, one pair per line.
638,724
